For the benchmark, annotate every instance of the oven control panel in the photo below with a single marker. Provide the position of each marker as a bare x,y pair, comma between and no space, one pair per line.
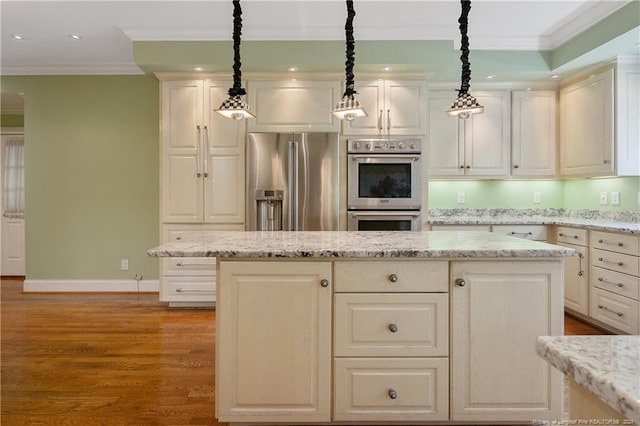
408,146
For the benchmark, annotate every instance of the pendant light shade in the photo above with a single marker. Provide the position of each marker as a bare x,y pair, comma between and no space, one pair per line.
349,108
465,104
235,106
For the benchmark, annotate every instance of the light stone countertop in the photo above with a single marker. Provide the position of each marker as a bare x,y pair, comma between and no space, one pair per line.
344,244
607,366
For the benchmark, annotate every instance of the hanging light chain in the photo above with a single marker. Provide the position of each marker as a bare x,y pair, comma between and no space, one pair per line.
464,47
237,89
348,27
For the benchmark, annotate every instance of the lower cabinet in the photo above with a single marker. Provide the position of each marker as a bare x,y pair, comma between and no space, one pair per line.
498,308
576,269
273,338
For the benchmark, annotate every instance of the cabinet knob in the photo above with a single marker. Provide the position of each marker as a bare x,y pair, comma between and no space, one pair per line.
515,166
393,278
461,166
393,328
324,282
468,167
605,161
393,394
460,282
178,238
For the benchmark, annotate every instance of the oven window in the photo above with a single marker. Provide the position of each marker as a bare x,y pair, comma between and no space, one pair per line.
384,225
384,180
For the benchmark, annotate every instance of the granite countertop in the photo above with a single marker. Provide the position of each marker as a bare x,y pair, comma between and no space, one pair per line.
607,366
623,222
344,244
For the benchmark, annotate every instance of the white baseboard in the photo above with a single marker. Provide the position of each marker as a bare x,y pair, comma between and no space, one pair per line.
93,286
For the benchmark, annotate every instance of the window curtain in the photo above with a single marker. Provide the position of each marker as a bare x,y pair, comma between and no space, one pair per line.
13,191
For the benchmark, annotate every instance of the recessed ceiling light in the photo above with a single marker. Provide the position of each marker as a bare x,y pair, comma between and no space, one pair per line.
489,76
292,69
554,77
197,68
386,68
75,36
17,36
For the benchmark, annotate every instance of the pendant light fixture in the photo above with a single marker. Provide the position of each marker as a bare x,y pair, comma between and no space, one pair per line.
349,108
235,106
465,104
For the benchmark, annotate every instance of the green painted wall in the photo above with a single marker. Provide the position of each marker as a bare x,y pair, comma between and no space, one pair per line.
585,193
91,174
11,120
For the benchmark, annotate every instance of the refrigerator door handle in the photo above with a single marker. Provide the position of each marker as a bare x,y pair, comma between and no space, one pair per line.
294,179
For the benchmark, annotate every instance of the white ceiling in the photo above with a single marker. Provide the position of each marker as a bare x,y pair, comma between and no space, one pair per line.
108,28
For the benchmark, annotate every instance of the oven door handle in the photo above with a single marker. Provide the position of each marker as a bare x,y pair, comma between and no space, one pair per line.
378,213
412,157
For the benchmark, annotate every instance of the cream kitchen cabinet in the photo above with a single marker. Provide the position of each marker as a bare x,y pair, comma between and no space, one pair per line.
202,155
293,105
394,107
529,232
477,147
533,133
496,374
274,339
599,131
576,269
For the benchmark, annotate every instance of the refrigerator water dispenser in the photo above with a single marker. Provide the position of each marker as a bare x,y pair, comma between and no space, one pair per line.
269,210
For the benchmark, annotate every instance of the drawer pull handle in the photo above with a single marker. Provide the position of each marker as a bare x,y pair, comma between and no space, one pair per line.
567,235
393,328
324,282
520,233
602,259
602,280
393,278
607,309
610,242
393,394
580,272
178,238
182,290
460,282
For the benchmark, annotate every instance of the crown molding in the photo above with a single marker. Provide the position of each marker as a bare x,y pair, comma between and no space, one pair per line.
72,69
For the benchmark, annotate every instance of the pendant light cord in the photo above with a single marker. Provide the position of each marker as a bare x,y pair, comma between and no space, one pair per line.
348,27
464,47
237,89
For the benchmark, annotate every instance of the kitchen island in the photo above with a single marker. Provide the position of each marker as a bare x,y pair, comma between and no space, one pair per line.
347,327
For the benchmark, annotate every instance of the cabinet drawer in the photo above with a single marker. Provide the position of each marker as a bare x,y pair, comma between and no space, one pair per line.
571,235
396,276
615,261
617,311
391,324
188,289
391,389
619,243
485,228
615,282
530,232
189,266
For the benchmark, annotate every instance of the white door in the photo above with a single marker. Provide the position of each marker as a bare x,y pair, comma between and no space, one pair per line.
405,111
12,226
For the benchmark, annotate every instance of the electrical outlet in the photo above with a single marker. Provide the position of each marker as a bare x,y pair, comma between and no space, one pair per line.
461,198
615,198
603,198
137,277
124,264
536,198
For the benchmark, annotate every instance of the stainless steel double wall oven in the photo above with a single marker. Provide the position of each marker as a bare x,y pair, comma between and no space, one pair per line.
384,190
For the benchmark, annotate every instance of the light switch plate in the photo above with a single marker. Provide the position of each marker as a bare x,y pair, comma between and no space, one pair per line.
536,198
461,198
615,198
603,198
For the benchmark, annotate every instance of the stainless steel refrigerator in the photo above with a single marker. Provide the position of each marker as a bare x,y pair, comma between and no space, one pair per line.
295,175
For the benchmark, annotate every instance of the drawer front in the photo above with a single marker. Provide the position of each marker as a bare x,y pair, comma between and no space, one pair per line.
618,311
391,389
188,289
620,243
615,261
575,236
484,228
397,276
188,265
530,232
615,282
391,324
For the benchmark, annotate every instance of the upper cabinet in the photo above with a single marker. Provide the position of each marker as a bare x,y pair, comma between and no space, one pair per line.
477,147
293,106
599,130
202,155
394,107
533,133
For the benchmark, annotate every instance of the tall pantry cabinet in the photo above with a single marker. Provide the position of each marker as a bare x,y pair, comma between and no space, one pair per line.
202,182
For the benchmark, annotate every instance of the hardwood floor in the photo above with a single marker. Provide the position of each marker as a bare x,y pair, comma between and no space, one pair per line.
574,326
111,359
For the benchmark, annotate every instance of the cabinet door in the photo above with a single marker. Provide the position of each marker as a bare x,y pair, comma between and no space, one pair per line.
576,280
182,133
486,137
496,316
294,106
404,107
273,347
224,166
586,127
446,144
371,97
533,139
